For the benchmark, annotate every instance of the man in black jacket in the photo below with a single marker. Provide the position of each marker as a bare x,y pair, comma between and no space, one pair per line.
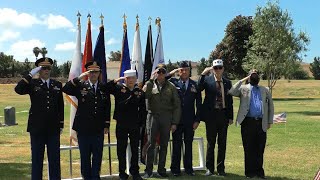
92,119
190,97
130,114
217,112
46,117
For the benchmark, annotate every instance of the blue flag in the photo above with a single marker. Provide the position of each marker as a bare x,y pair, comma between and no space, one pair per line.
99,54
125,55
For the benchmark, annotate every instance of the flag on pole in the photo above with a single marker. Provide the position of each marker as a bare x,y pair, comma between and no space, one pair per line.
280,118
75,71
158,54
99,54
125,55
148,58
136,62
317,177
87,53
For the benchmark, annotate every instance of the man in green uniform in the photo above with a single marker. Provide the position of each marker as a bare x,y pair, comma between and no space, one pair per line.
164,111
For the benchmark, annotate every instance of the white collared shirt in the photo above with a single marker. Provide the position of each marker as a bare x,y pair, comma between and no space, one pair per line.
44,81
95,85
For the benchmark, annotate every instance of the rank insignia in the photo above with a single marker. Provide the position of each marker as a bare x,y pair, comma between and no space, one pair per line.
193,89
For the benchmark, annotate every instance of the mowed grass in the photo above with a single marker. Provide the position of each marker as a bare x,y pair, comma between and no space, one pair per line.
292,150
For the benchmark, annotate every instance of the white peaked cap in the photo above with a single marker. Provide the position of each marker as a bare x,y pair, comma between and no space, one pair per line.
130,73
217,62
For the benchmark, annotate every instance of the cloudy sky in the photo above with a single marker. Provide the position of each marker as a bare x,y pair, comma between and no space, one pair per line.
191,29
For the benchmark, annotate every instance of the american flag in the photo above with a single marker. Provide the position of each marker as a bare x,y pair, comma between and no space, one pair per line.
317,177
280,118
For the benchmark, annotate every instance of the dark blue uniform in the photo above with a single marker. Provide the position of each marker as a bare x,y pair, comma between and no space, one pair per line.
92,116
190,98
130,114
46,117
216,119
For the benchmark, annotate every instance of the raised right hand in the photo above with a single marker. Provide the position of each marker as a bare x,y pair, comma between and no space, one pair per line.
84,74
35,70
206,70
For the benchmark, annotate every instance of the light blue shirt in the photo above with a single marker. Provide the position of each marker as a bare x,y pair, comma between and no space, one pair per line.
186,83
255,109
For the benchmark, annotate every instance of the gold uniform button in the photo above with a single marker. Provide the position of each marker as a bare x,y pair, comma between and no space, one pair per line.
48,102
96,102
48,92
95,97
47,107
47,96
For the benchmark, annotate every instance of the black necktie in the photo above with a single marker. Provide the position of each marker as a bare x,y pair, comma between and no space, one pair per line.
183,86
46,84
94,89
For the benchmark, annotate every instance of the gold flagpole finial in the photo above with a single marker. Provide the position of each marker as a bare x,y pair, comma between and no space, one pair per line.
79,15
158,20
137,24
124,21
89,16
101,17
150,19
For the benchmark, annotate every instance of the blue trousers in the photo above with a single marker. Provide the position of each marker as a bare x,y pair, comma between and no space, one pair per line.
38,143
91,150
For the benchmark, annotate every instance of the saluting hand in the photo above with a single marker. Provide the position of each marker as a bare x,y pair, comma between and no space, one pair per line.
174,71
206,70
154,74
35,70
84,74
119,79
244,79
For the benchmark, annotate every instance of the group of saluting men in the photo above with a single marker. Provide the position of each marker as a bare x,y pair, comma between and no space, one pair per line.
164,104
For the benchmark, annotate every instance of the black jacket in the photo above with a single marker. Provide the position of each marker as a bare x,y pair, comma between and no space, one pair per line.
46,115
130,106
208,84
190,99
93,112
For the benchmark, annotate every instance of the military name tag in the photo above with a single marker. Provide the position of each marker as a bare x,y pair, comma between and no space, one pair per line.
36,88
56,88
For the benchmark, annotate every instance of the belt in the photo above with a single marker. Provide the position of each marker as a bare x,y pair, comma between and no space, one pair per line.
254,118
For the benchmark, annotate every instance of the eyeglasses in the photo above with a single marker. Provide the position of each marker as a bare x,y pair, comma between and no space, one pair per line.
163,71
217,67
45,68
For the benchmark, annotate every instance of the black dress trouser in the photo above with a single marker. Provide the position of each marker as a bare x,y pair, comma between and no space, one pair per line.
216,129
254,141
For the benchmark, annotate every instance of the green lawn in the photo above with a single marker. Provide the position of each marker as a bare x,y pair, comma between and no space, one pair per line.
291,151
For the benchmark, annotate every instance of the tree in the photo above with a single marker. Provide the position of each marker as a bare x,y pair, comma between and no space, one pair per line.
315,68
232,49
44,51
274,46
171,66
36,51
6,62
55,71
201,65
115,56
65,69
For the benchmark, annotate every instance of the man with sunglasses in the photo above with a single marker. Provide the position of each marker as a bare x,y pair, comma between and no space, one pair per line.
92,119
217,113
190,97
164,111
255,116
46,117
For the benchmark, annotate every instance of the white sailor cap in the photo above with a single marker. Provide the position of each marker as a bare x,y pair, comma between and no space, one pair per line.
217,62
129,73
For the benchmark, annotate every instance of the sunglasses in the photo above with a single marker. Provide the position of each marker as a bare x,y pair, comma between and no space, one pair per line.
45,68
163,71
218,67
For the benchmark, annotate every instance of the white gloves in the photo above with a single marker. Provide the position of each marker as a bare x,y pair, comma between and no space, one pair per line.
35,70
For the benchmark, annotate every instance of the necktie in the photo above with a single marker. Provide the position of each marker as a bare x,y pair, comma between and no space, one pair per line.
219,96
46,84
94,89
183,86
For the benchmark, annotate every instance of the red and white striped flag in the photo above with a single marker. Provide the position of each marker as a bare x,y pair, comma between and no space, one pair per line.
317,177
280,118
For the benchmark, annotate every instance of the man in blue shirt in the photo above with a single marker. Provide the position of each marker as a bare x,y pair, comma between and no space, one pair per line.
255,116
